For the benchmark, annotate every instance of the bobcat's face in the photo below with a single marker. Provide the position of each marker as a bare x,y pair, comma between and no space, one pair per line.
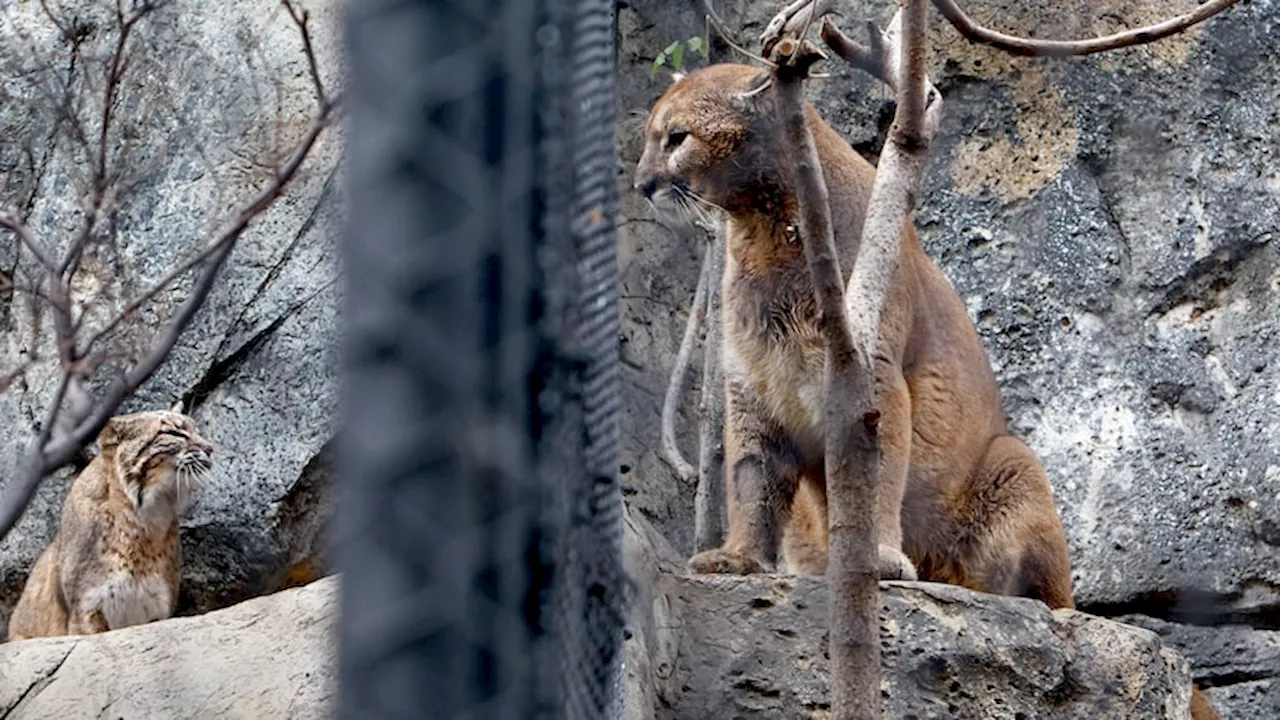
157,455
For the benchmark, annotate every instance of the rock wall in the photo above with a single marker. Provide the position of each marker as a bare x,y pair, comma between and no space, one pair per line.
228,664
1111,223
222,88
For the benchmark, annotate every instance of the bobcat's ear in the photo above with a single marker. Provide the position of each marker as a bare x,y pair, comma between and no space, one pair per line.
177,407
117,428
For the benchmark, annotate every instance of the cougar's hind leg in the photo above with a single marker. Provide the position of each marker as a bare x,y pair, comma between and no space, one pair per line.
1014,539
762,468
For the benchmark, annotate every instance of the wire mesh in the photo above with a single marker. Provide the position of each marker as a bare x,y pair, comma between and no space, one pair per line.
479,522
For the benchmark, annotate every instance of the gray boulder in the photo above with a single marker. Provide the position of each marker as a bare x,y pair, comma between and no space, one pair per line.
227,90
271,657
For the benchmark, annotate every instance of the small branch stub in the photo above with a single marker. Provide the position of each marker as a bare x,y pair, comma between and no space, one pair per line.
871,422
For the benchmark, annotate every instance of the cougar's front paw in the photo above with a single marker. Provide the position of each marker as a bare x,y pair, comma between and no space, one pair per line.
894,565
724,562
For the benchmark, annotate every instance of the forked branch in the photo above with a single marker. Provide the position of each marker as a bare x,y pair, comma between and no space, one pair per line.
851,451
850,324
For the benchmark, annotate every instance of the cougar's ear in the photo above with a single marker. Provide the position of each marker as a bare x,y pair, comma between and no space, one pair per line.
747,100
177,407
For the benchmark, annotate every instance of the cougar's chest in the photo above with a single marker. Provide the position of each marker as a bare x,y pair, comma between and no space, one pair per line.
775,335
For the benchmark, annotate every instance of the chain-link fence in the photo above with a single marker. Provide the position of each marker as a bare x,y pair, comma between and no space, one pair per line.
479,528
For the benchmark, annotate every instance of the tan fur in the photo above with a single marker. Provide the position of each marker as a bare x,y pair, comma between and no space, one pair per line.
115,559
961,500
966,502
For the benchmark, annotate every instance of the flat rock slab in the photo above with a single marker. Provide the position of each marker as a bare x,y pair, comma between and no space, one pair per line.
755,647
272,657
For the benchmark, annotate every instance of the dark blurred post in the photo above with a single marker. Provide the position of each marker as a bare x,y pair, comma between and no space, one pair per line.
479,522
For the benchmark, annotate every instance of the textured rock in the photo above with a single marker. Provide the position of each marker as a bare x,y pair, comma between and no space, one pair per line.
1238,664
229,664
754,647
258,366
1111,223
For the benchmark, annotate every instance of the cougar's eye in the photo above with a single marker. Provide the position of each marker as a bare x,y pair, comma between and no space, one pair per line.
675,137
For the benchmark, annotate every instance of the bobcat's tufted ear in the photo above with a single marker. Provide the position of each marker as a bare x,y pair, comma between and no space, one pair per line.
177,407
747,99
117,429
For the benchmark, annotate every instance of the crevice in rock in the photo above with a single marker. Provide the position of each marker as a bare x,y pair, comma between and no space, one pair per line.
1208,680
297,554
226,368
303,518
1108,208
1190,607
323,199
36,687
1209,276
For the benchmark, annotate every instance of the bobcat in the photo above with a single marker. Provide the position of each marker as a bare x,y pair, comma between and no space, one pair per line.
115,559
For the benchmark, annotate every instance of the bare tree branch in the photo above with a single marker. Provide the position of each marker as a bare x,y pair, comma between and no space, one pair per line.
9,221
852,453
870,58
66,431
1066,48
790,20
708,505
850,321
717,23
670,447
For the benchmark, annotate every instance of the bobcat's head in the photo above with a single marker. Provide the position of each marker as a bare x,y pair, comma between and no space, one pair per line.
157,457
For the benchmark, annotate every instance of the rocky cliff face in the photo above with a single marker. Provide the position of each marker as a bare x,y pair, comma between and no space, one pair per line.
222,88
1111,223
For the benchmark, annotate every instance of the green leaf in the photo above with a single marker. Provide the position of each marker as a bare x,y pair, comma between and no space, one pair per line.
671,49
658,63
698,45
677,58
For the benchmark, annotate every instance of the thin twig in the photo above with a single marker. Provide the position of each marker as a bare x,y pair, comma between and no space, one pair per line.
1031,47
33,469
302,18
670,447
718,24
10,222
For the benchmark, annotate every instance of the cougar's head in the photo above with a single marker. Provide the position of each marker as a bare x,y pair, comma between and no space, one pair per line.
158,457
707,140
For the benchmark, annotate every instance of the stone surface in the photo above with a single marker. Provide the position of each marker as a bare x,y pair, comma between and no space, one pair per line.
754,647
1239,665
273,656
1111,223
226,90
